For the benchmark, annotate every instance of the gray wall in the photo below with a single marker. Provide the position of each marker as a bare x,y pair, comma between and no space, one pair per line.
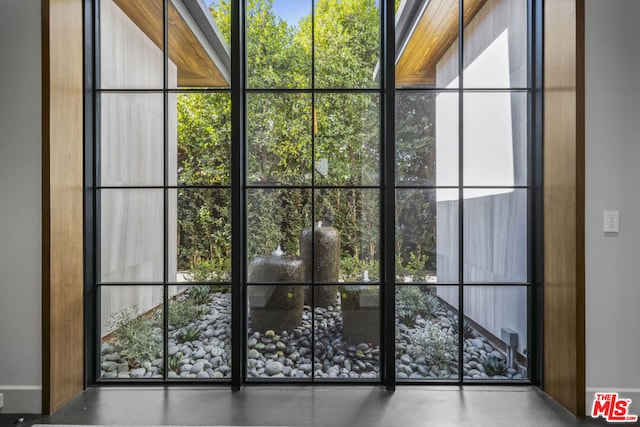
20,206
612,180
495,221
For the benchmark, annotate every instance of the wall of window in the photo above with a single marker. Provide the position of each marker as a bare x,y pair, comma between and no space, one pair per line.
241,201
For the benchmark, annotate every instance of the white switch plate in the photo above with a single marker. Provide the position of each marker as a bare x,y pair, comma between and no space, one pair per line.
611,221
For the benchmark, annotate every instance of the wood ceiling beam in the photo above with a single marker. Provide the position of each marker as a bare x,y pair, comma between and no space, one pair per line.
434,34
196,67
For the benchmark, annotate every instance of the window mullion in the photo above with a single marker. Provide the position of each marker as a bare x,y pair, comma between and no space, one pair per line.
238,196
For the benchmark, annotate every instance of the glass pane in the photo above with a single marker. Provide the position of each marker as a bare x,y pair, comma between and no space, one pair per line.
495,333
200,140
276,218
346,43
426,235
347,143
427,44
202,243
131,139
279,138
199,50
131,337
427,333
131,226
495,44
495,139
199,332
279,332
347,333
426,138
353,214
495,236
131,44
279,44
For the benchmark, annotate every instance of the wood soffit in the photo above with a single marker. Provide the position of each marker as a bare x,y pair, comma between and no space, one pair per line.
434,33
196,67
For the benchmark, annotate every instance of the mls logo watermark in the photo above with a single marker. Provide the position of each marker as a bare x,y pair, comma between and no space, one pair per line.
612,409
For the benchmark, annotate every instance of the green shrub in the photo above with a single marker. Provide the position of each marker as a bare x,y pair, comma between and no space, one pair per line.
174,363
467,331
352,269
413,298
137,338
206,270
183,311
200,294
417,267
349,268
407,317
433,346
494,365
189,333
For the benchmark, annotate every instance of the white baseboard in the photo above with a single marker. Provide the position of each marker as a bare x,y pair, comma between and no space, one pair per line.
21,399
625,393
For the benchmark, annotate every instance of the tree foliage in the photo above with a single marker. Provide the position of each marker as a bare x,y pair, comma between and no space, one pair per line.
303,139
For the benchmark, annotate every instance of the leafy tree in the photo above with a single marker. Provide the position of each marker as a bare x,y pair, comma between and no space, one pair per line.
415,137
415,232
346,41
276,217
204,230
204,145
221,12
282,128
347,45
275,58
204,139
415,164
279,138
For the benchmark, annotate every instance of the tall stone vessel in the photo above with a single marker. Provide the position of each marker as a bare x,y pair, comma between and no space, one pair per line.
325,261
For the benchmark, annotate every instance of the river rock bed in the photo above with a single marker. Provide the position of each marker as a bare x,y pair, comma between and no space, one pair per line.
288,354
208,357
477,349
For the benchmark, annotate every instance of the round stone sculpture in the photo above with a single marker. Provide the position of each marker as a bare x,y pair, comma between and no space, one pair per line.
274,304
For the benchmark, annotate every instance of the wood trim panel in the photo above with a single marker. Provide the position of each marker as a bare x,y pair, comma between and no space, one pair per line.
62,204
564,321
434,34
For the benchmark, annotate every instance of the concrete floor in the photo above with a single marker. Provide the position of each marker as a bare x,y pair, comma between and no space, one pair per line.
313,406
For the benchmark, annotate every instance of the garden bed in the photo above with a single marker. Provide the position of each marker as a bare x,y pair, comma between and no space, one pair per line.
426,346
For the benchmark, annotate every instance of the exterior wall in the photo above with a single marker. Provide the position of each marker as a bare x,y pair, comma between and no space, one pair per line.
495,221
496,18
494,254
21,207
492,20
129,59
132,154
612,177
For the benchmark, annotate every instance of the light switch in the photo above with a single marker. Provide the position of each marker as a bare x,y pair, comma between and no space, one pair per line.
611,221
